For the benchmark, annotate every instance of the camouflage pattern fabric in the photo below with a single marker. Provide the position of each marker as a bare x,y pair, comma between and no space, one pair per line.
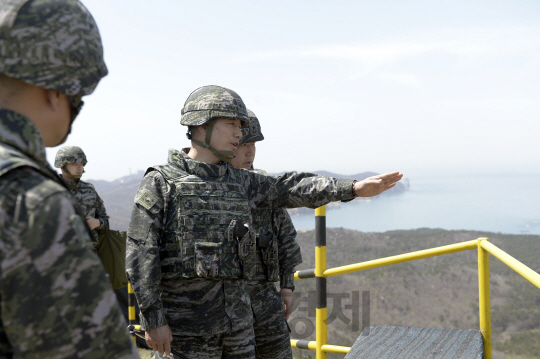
90,203
56,301
271,331
147,229
276,223
69,154
53,44
236,345
209,102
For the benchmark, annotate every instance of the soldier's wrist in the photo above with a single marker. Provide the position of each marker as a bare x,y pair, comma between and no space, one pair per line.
153,317
286,281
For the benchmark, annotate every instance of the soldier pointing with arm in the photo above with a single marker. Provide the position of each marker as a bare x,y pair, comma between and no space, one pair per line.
186,264
56,301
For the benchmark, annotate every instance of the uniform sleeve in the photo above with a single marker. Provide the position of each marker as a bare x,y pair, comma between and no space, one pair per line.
142,254
296,189
101,213
288,249
54,292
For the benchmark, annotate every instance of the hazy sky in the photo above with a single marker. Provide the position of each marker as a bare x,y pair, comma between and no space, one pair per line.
347,86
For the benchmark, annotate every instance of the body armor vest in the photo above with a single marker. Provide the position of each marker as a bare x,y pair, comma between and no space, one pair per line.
267,259
199,237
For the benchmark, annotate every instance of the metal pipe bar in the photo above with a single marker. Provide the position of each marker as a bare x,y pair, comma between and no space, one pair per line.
312,345
513,263
401,258
320,281
304,344
304,274
131,310
484,302
335,349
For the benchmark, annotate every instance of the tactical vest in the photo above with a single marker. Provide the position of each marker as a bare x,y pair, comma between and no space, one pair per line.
198,239
267,261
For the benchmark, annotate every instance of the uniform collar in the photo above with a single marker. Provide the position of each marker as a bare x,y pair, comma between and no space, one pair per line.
19,132
182,160
74,186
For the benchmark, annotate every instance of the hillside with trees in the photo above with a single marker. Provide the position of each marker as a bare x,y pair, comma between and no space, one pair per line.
438,292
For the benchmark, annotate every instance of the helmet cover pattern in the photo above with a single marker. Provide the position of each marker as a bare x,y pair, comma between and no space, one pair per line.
209,102
69,154
53,44
253,132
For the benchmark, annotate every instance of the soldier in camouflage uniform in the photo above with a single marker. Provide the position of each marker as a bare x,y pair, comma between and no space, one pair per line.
56,301
72,160
277,253
189,253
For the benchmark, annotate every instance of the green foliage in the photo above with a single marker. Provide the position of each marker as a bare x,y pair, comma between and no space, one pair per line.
433,292
523,343
521,309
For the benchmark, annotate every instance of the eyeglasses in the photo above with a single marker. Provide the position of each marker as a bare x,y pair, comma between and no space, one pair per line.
76,103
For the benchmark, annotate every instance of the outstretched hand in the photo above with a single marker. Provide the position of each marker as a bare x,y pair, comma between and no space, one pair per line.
159,339
375,185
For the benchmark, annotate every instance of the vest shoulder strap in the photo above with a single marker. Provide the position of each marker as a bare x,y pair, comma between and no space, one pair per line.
168,172
11,159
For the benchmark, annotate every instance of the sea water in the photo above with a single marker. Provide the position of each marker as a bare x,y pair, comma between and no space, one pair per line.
508,203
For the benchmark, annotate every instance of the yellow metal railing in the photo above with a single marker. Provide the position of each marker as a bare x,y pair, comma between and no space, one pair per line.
320,272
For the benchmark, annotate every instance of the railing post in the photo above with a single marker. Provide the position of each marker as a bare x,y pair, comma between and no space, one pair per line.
484,297
131,310
320,281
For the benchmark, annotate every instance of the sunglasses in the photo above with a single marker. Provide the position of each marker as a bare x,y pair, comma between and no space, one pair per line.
75,103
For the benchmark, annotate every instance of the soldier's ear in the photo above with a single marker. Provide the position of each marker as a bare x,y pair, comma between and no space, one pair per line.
200,131
54,99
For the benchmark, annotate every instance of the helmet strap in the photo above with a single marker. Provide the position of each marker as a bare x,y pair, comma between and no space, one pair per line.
75,177
222,155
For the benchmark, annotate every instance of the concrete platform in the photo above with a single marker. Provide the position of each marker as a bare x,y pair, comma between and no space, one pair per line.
417,343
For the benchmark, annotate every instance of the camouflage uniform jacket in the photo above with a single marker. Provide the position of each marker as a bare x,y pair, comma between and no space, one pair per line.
90,202
276,224
147,227
56,301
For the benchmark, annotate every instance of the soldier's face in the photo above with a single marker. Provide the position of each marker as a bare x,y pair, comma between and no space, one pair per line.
226,134
245,155
76,169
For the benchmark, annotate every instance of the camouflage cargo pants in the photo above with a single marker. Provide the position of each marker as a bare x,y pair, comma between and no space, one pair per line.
271,331
235,345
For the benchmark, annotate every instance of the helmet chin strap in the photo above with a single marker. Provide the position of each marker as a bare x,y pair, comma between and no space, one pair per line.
75,177
222,155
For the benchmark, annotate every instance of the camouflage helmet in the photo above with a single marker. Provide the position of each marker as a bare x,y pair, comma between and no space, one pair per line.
209,102
253,132
53,44
69,154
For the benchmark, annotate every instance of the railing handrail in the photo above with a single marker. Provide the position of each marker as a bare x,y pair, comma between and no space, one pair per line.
482,244
513,263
